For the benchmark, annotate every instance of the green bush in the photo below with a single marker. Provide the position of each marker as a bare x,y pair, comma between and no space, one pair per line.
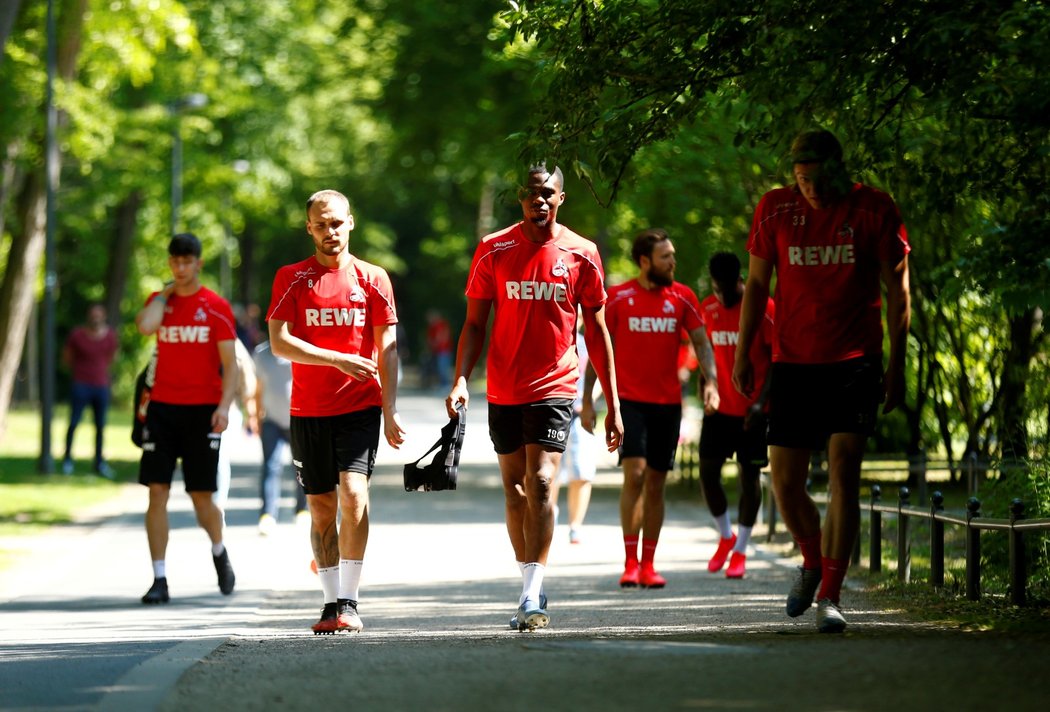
1029,483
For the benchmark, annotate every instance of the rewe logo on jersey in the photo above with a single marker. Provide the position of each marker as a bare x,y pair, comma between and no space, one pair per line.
559,269
536,291
652,324
815,255
184,334
724,338
335,317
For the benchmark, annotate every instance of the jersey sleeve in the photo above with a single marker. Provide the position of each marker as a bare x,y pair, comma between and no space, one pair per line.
226,323
760,242
893,237
480,281
381,304
592,282
691,318
282,300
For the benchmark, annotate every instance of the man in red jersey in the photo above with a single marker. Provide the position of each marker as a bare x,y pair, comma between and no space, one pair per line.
333,316
739,424
830,241
646,317
189,407
534,274
88,352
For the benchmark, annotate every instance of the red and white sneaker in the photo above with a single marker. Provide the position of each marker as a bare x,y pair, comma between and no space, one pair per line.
721,554
737,563
648,578
329,622
631,572
348,620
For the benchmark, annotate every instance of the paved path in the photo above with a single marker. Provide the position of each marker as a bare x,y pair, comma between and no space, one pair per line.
440,584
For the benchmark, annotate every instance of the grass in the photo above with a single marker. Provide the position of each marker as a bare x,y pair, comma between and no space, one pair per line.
30,500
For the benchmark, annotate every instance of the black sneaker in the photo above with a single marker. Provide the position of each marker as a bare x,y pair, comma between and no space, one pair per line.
158,592
329,622
225,571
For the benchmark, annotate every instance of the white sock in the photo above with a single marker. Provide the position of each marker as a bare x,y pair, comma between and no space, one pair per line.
350,578
329,582
159,569
217,549
533,583
743,536
725,528
521,568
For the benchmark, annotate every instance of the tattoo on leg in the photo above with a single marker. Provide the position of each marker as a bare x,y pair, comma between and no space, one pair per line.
326,546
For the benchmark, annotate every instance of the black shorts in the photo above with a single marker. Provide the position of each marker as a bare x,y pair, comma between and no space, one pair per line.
723,435
810,402
544,423
650,430
180,431
324,446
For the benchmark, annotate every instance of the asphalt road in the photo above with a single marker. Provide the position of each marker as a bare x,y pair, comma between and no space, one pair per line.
439,586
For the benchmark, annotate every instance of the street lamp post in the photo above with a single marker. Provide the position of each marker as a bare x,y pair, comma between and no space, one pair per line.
190,101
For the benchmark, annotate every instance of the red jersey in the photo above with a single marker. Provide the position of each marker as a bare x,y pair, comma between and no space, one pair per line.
723,328
189,369
90,357
535,290
827,262
645,326
334,309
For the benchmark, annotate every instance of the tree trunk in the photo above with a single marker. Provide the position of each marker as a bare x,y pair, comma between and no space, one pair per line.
8,14
17,289
120,255
19,285
1017,365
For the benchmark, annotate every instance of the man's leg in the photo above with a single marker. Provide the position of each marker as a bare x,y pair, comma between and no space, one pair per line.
324,539
579,498
790,468
211,519
157,520
270,485
78,400
631,509
845,452
99,408
718,505
652,524
512,472
353,540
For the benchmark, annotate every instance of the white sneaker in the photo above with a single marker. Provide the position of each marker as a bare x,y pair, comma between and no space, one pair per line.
267,525
829,617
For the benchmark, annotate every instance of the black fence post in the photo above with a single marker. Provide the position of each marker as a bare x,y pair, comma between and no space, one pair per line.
917,464
875,551
1018,564
971,474
903,540
973,550
937,541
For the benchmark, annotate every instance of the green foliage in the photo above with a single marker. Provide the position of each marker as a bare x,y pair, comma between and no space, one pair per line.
1029,483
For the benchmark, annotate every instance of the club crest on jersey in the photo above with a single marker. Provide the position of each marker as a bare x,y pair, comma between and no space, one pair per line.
356,295
559,269
200,315
668,307
845,232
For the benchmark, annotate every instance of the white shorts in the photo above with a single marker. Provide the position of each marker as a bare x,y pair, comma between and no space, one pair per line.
580,460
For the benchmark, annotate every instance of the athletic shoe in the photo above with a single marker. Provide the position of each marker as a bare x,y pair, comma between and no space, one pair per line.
829,617
105,471
736,565
67,467
329,622
225,571
631,571
543,605
267,525
530,617
158,592
800,598
574,536
648,578
721,554
347,617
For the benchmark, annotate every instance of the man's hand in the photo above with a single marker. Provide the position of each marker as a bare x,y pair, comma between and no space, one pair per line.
744,377
710,397
457,396
220,419
588,417
358,367
392,429
893,385
613,429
